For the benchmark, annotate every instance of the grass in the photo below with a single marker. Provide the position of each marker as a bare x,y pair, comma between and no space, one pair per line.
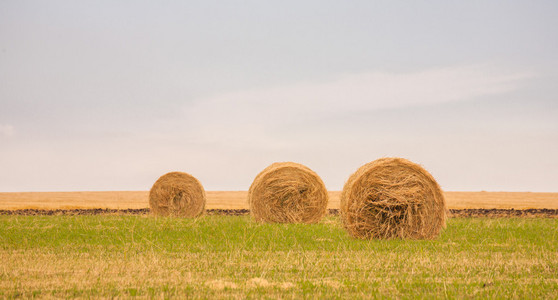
233,257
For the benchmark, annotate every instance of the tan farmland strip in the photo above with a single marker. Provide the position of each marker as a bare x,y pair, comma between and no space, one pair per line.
237,200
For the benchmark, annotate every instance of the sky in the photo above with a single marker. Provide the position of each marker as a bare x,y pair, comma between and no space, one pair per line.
110,95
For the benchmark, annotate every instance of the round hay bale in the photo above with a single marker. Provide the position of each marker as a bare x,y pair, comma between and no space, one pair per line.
287,192
177,194
392,198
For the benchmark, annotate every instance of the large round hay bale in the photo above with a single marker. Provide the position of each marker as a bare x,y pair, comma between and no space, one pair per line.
392,198
287,192
177,194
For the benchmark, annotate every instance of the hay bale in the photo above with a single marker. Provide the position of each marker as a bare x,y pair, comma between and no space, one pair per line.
287,192
392,198
177,194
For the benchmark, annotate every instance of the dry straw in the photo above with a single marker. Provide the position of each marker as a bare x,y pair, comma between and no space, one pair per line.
177,194
392,198
287,192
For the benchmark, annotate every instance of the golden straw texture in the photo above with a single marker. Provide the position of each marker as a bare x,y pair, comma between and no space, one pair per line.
287,192
177,194
392,198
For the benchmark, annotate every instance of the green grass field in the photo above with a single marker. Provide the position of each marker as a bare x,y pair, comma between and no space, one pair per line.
233,257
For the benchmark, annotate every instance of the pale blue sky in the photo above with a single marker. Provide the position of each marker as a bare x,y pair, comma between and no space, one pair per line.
109,95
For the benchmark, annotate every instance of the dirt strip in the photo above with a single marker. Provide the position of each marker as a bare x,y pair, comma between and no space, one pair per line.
504,213
453,213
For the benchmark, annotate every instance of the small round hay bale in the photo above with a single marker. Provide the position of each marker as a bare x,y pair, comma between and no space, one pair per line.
177,194
287,192
392,198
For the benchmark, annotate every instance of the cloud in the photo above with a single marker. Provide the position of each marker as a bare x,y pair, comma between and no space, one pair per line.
6,130
246,116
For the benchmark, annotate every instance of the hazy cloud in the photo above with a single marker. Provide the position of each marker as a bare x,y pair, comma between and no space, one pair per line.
247,113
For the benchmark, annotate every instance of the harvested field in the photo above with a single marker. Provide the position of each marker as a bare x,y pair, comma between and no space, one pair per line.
238,200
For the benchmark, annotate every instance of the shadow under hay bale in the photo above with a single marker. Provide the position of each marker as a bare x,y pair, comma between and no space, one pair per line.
392,198
287,192
177,194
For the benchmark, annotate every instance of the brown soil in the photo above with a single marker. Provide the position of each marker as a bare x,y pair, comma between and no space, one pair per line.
504,213
453,213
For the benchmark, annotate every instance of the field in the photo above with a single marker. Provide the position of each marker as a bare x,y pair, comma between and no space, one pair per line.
237,200
219,256
232,256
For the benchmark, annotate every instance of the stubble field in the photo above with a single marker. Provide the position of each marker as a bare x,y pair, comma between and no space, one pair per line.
237,200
